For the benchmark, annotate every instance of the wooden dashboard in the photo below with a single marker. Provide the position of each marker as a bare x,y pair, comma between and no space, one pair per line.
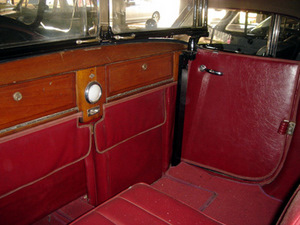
38,89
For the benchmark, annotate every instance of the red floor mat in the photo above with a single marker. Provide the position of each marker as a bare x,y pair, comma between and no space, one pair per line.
186,192
228,201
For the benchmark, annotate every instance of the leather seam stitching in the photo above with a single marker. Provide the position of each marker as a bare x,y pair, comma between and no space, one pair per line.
138,134
51,173
142,208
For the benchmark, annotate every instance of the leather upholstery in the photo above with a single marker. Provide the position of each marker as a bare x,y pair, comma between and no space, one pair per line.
231,121
37,153
133,140
291,214
32,158
289,175
142,204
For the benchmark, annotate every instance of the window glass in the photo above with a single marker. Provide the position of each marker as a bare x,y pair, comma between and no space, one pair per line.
289,39
237,31
143,15
28,21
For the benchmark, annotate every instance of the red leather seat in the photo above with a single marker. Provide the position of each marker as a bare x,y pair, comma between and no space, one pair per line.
142,204
291,214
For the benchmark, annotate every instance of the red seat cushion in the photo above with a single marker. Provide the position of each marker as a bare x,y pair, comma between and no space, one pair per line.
142,204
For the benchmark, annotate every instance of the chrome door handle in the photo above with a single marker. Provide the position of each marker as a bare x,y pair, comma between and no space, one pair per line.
203,68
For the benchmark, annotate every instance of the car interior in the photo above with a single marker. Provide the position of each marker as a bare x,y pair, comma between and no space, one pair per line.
143,127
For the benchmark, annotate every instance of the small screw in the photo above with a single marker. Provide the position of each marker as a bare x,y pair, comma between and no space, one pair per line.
145,66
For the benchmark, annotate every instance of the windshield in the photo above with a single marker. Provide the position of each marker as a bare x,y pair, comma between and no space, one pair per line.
28,21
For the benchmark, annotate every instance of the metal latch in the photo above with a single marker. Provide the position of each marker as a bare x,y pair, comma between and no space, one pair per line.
93,111
291,128
287,127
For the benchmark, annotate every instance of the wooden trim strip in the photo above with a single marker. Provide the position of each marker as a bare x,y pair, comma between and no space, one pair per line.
35,121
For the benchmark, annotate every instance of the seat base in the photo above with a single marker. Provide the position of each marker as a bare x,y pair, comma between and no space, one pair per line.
143,204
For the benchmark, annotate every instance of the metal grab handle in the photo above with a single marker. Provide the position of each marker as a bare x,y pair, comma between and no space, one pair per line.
203,68
119,37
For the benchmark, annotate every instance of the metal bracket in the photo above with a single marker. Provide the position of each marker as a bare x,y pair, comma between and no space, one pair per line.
106,33
190,53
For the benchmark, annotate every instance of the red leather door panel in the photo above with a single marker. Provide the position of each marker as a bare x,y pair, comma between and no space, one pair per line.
231,121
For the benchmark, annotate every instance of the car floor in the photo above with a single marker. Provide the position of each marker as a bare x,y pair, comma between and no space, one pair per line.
225,200
228,201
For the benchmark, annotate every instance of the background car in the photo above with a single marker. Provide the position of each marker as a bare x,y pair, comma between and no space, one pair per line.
138,11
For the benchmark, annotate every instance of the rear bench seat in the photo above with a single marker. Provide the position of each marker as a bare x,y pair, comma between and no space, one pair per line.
142,204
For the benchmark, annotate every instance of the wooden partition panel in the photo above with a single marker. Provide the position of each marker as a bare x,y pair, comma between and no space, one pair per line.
133,74
34,99
61,62
42,86
84,78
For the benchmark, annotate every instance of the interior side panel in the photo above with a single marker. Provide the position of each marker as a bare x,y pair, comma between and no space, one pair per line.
35,201
30,157
131,141
232,121
288,178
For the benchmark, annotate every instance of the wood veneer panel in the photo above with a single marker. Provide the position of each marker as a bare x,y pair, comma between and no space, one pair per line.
39,98
137,73
83,78
72,60
176,65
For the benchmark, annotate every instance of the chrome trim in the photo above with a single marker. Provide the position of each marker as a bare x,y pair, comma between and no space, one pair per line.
139,89
204,22
200,13
97,39
87,89
203,68
273,35
38,120
93,111
195,13
119,37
